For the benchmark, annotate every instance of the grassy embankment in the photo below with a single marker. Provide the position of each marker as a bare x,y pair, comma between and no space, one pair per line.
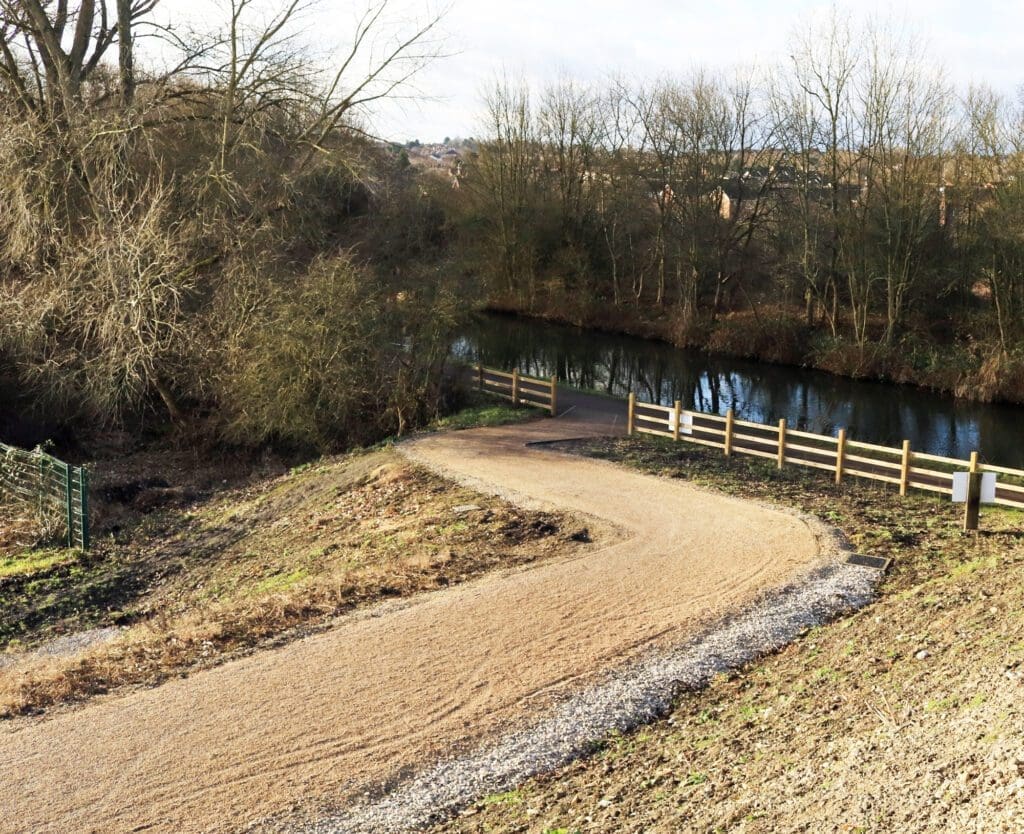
905,716
198,570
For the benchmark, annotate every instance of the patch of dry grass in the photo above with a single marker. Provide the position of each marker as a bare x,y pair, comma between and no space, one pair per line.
264,563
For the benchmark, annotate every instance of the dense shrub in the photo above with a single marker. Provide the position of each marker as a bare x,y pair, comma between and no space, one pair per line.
776,337
330,358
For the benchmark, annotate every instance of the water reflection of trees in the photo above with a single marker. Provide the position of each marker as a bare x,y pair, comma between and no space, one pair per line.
808,400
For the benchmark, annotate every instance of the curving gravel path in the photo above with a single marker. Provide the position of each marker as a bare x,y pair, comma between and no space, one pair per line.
361,708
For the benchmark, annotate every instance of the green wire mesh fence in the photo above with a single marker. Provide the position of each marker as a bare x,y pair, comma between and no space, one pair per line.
57,490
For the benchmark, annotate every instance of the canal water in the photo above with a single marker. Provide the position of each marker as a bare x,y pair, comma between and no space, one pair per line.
809,400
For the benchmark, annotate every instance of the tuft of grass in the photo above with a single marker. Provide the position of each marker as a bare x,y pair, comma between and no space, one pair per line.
506,798
35,561
485,414
280,582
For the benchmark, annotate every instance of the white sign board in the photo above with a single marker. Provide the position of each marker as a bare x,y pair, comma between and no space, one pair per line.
988,487
685,423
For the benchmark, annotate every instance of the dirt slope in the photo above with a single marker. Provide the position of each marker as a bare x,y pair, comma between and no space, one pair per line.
344,711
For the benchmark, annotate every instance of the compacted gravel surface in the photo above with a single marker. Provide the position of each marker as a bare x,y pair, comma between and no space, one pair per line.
357,711
636,694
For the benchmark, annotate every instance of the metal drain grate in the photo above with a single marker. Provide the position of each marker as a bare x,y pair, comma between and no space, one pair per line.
877,562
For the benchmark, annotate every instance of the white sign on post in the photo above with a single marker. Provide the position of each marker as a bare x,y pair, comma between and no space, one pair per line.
988,487
685,422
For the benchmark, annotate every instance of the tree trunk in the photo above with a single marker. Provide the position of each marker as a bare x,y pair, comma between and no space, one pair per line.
125,56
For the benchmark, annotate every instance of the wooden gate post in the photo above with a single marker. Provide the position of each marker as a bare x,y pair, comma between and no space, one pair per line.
840,453
729,417
972,509
480,374
905,468
515,386
554,396
629,416
678,414
782,442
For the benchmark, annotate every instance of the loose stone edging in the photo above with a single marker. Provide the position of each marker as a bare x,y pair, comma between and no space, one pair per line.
634,695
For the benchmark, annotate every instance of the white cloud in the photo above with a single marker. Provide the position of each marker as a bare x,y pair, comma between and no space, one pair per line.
538,39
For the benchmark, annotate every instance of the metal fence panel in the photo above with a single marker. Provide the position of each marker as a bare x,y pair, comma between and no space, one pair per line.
51,487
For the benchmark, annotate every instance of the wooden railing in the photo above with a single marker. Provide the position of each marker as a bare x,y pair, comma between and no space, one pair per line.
521,389
840,455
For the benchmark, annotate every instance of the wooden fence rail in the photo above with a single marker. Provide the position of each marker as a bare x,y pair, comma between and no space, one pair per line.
839,455
521,389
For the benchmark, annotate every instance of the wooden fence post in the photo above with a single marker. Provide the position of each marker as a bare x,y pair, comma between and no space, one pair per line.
728,432
840,452
515,386
678,418
905,468
554,396
632,410
480,373
972,509
782,442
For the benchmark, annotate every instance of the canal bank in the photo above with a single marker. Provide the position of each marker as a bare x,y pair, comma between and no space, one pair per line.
809,400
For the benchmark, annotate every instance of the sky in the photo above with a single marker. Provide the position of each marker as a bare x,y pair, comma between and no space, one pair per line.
589,40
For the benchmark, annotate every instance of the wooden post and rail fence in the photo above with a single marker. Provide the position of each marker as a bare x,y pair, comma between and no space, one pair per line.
57,491
841,456
521,389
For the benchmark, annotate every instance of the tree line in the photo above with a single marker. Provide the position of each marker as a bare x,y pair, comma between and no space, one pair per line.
199,228
849,209
194,222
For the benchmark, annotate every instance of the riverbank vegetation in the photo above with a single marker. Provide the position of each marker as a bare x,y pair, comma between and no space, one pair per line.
901,717
848,210
206,236
197,229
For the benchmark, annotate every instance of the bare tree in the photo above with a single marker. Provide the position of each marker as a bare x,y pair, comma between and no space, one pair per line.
132,192
49,51
506,184
622,203
825,59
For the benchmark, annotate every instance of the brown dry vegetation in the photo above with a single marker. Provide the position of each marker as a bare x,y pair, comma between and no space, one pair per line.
19,527
903,717
202,580
218,243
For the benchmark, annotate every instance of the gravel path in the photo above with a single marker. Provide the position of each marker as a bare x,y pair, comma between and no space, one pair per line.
65,645
634,695
360,708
